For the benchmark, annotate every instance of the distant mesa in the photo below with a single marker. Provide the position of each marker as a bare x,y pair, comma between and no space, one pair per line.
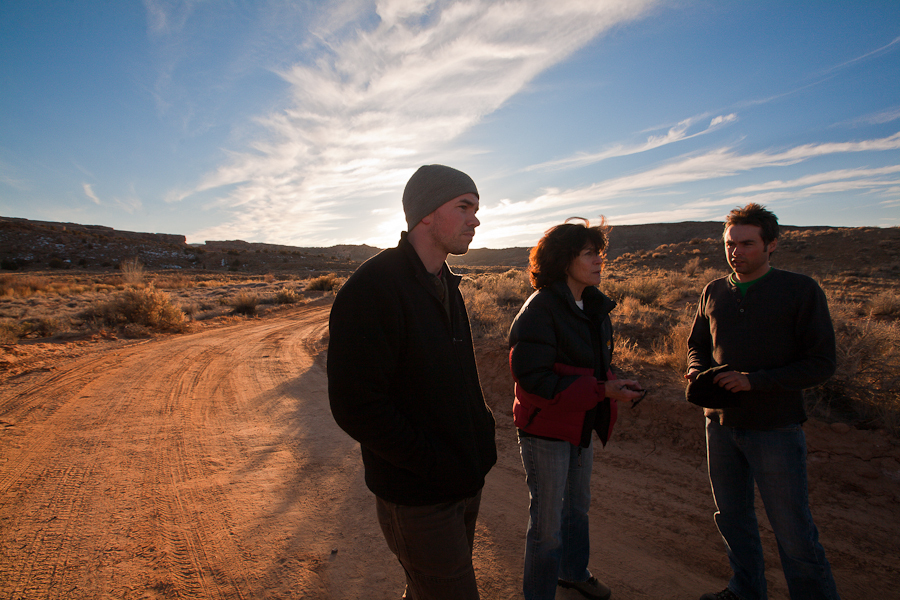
40,245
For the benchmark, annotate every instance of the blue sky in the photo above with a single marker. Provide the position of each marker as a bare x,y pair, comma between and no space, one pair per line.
299,123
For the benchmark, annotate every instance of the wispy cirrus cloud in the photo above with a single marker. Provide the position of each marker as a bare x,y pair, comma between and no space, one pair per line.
377,103
721,162
878,118
890,46
674,134
614,197
89,192
817,179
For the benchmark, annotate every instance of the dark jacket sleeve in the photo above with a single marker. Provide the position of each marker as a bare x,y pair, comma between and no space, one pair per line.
699,343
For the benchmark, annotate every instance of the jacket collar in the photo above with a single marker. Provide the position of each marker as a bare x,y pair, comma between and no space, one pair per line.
418,267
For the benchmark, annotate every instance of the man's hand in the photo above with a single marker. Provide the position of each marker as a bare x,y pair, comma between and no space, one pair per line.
692,374
733,381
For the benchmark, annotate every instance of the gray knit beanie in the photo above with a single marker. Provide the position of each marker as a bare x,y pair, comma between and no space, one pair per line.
430,187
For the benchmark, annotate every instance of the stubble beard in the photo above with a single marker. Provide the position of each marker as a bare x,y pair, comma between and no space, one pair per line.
458,248
457,245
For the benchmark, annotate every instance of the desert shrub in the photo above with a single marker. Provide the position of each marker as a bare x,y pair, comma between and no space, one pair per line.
506,289
885,304
650,334
190,309
147,307
323,283
671,349
12,285
677,286
692,266
645,289
628,355
865,388
492,301
132,271
173,282
244,303
710,273
9,332
287,295
9,264
40,327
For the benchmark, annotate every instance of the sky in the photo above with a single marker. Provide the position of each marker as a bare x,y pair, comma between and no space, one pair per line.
299,122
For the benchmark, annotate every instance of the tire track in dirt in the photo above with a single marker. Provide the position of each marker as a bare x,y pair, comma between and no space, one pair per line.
120,468
207,465
48,479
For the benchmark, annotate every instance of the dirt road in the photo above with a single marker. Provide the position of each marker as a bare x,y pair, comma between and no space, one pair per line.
207,465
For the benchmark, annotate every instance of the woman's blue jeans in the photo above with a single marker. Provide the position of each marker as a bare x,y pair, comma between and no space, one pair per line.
557,545
776,461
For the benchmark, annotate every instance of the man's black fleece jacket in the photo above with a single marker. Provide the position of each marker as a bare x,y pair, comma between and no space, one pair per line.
402,381
780,334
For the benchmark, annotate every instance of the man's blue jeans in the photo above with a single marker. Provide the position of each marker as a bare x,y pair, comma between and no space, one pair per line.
557,545
776,461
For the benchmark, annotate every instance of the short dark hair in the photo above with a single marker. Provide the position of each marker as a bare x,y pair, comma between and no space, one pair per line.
757,215
548,261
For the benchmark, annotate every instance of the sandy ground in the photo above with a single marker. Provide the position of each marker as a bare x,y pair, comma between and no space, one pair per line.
207,465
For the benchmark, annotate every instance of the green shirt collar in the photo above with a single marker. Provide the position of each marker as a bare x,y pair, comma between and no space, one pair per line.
743,286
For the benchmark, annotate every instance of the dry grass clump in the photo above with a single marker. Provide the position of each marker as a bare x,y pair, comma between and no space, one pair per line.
646,289
9,332
654,335
885,304
30,285
287,295
692,266
244,303
865,389
174,282
324,283
146,308
132,271
40,327
22,286
493,300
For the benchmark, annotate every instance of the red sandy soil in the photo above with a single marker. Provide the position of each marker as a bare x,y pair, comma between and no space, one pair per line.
207,465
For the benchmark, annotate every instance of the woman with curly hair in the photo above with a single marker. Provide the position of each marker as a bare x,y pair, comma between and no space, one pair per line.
560,356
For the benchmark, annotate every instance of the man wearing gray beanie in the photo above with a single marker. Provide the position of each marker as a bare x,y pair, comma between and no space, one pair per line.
402,382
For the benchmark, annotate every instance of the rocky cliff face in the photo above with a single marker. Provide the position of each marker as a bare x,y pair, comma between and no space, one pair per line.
44,244
41,245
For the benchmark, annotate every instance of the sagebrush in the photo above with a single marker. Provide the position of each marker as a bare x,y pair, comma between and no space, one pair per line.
143,307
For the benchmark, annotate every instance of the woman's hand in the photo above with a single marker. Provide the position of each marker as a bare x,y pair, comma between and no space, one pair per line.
623,389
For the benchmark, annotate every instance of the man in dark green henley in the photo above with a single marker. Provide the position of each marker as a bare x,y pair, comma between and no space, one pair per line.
770,333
